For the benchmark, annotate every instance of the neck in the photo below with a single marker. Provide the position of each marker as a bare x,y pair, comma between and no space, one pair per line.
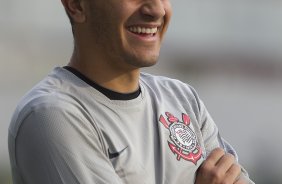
113,77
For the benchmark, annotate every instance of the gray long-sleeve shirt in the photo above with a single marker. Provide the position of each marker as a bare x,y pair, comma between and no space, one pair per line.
66,132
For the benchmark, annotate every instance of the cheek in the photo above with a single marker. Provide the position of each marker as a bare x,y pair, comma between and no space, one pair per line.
103,25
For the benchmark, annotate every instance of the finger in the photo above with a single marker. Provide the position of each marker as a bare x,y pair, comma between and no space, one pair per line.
215,156
233,173
225,162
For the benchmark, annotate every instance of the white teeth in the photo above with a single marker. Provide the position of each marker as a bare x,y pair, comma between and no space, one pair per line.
139,30
143,30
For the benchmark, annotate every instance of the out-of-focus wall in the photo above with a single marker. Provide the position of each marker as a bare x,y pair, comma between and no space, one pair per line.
230,51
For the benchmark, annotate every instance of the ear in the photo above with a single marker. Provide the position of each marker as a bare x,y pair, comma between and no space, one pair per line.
75,10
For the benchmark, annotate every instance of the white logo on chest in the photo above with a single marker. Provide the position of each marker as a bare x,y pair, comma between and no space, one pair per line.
183,136
184,140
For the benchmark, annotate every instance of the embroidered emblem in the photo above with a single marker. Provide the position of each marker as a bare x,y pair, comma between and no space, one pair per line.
183,140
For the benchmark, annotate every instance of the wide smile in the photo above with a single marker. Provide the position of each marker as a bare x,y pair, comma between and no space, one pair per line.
143,30
145,33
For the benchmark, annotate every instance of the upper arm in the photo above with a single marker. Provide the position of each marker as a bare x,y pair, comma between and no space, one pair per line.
212,138
58,145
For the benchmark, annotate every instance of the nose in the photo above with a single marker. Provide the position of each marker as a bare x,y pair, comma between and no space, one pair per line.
153,8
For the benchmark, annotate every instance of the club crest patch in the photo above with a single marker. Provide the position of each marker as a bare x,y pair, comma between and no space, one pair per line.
183,141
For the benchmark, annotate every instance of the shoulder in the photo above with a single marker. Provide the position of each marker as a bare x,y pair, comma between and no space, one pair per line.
168,84
47,99
172,91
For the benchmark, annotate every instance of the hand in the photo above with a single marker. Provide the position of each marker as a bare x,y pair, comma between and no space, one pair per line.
219,168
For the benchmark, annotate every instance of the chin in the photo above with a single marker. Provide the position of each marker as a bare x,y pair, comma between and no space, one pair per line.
145,61
150,63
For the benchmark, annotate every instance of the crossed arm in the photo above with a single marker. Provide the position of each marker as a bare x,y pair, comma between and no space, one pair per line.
219,168
42,138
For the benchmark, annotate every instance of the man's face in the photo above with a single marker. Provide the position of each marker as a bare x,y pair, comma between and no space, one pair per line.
128,32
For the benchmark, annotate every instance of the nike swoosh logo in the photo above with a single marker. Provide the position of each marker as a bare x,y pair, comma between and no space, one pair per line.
115,154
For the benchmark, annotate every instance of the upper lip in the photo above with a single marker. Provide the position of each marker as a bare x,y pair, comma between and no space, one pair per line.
145,25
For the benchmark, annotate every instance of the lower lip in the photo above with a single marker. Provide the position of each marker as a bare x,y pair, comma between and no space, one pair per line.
144,37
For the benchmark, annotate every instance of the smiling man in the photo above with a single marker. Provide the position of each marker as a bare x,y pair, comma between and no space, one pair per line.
100,120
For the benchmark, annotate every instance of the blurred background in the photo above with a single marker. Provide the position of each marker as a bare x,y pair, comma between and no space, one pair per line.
229,50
